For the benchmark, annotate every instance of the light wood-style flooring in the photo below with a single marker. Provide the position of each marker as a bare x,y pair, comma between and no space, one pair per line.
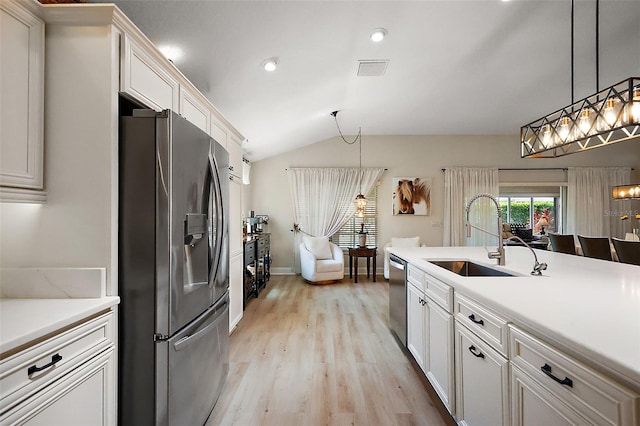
320,355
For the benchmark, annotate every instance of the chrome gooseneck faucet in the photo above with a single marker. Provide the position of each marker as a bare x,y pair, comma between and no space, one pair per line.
499,253
537,266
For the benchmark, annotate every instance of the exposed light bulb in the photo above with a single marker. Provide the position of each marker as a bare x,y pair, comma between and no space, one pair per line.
563,130
610,112
635,106
547,139
378,34
584,122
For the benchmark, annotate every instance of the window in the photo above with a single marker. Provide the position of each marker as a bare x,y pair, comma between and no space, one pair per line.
347,236
530,209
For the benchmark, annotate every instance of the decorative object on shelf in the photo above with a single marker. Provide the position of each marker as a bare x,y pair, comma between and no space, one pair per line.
608,116
362,236
412,195
626,192
361,200
542,223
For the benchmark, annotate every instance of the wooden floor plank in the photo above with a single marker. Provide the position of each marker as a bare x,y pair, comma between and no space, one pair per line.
320,355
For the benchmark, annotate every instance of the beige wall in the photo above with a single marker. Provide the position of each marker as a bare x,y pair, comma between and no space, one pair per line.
403,156
77,226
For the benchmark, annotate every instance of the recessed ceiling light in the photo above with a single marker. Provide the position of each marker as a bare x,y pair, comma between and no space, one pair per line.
378,34
270,64
172,53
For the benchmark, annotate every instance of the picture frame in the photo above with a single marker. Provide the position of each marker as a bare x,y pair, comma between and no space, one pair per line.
411,196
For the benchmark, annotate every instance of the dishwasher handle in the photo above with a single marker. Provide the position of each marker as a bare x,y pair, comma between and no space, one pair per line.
398,265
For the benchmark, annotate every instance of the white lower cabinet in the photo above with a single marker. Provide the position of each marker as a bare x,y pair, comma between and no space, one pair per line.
79,398
236,296
66,379
482,381
416,324
440,353
547,382
488,371
430,334
534,405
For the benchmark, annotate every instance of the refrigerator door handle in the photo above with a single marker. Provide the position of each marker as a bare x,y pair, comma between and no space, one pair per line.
214,185
190,338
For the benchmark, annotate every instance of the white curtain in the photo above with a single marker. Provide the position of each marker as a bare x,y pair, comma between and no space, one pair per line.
323,198
460,185
590,209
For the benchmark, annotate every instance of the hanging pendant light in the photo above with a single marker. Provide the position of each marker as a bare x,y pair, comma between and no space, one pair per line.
610,115
360,200
626,192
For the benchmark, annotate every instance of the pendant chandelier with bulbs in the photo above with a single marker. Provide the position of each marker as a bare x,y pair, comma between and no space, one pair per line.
610,115
360,200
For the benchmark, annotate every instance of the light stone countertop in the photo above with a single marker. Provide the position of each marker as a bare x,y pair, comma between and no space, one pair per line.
35,302
25,320
588,308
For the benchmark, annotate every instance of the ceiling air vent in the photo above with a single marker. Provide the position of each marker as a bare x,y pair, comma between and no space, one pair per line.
372,67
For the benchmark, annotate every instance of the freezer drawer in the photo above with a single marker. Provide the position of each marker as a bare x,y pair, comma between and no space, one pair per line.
192,367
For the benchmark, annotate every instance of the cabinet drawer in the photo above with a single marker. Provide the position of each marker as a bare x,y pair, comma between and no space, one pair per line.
416,276
81,397
587,391
249,252
263,247
486,324
439,292
71,347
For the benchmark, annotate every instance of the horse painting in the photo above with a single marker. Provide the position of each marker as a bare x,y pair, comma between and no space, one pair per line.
412,196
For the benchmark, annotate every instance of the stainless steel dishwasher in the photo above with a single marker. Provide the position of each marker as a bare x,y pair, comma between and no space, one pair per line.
398,298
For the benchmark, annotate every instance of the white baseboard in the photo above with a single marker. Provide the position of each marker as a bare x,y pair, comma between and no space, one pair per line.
289,271
282,271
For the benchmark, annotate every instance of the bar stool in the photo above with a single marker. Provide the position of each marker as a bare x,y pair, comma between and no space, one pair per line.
627,251
595,247
562,243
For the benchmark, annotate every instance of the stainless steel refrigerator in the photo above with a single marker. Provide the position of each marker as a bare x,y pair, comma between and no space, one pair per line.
173,271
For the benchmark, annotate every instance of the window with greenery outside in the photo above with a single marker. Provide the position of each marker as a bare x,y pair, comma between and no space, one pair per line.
528,210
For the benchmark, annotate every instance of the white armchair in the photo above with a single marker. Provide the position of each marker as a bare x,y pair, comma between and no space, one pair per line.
398,242
321,260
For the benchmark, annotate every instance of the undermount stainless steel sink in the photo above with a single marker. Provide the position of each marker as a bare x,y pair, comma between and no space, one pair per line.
467,268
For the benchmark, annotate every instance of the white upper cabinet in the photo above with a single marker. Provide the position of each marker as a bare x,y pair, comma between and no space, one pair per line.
219,132
195,108
21,103
146,78
234,146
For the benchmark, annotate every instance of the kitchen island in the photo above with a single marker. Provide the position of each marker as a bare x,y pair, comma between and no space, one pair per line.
586,311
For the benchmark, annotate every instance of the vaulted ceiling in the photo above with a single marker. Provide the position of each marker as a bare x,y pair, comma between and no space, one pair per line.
455,67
